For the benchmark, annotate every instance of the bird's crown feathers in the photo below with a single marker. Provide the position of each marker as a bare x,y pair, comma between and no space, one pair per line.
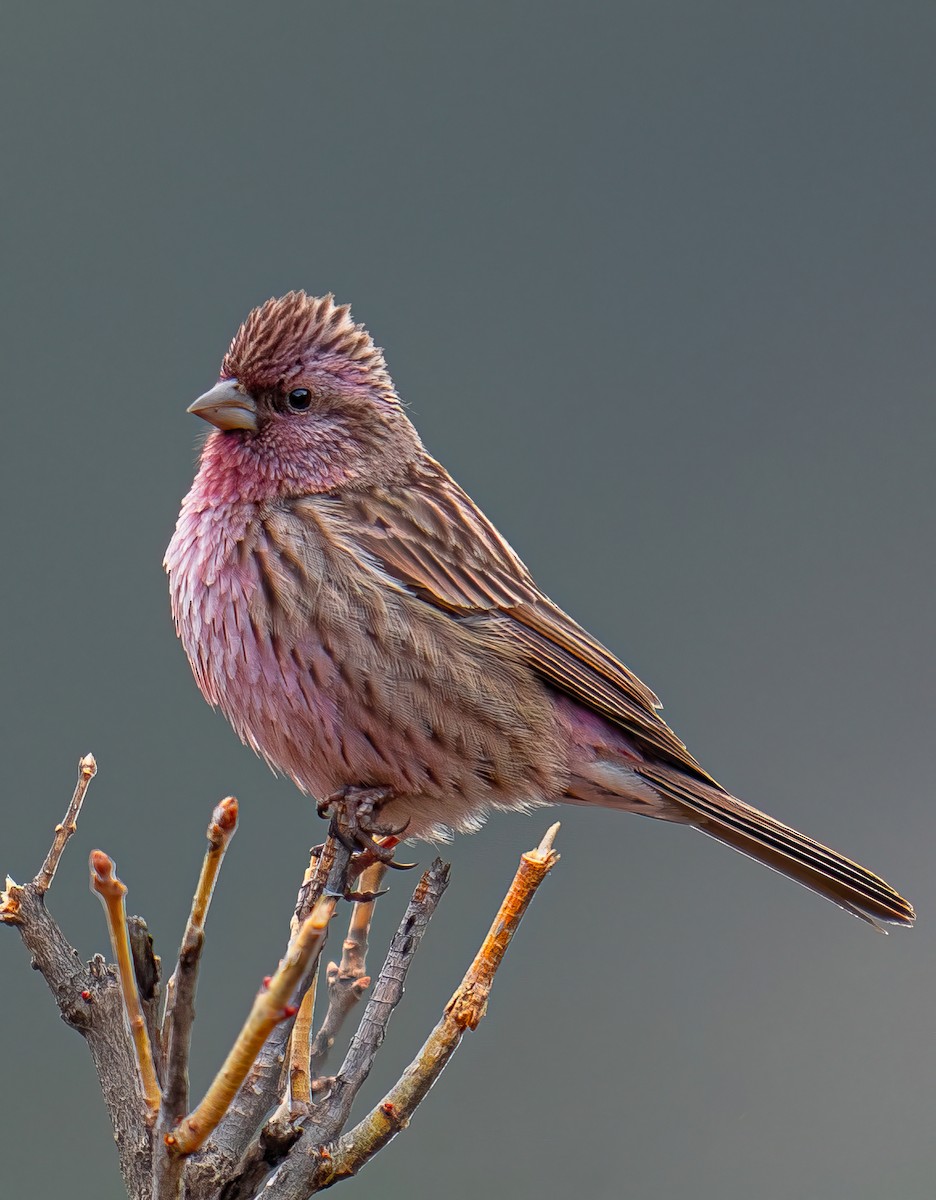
293,333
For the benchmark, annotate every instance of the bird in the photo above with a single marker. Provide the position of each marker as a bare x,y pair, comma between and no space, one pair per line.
368,631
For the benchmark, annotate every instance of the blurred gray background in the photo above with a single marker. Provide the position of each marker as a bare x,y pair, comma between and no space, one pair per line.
658,281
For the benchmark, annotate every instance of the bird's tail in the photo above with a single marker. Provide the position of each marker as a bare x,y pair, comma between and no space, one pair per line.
737,824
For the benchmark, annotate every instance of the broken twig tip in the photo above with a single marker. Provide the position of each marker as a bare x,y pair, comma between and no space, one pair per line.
544,852
549,837
9,902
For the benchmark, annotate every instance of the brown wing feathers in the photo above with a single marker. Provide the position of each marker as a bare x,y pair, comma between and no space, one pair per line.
441,547
444,549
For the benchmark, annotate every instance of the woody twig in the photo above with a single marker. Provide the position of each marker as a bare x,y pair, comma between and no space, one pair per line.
147,970
305,1174
87,769
180,991
106,885
88,997
272,1005
236,1138
348,980
180,1003
300,1080
330,1115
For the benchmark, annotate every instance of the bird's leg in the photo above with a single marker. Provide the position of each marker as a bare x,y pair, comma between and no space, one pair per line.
360,861
352,811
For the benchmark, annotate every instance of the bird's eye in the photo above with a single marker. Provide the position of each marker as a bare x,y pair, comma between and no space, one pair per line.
299,399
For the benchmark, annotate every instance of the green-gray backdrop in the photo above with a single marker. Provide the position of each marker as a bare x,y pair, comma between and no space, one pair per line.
658,281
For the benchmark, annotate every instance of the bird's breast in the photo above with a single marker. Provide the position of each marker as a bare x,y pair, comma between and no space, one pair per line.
340,677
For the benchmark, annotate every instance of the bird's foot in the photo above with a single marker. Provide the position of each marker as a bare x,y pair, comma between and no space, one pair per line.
352,811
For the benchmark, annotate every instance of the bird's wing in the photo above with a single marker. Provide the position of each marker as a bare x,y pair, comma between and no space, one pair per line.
431,537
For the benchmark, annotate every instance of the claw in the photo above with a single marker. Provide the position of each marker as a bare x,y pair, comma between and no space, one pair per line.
365,897
398,866
382,854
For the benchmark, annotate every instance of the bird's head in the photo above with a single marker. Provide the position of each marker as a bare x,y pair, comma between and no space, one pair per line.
304,405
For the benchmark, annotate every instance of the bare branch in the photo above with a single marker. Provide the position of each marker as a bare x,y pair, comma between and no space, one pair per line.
348,980
388,991
180,1004
299,1085
313,1172
89,999
146,969
180,1001
321,859
281,1131
237,1158
106,885
271,1006
330,1116
261,1089
87,769
300,1080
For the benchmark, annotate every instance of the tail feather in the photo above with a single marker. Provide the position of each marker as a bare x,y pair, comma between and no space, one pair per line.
721,816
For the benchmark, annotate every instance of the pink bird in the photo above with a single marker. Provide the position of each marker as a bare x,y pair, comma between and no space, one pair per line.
366,629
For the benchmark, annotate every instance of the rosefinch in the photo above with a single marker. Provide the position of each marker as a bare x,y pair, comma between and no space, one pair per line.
367,630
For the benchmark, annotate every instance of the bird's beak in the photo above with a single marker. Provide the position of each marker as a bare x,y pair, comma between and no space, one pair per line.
228,406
